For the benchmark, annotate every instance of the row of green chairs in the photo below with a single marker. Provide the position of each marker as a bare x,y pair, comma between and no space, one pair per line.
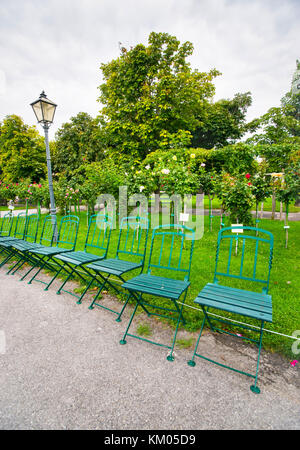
166,274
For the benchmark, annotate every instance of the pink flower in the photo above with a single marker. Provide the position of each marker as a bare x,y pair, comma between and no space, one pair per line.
293,363
40,185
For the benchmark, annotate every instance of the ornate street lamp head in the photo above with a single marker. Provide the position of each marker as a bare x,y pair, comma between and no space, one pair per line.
44,109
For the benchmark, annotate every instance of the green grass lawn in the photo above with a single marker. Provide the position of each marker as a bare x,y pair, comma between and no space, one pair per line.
284,283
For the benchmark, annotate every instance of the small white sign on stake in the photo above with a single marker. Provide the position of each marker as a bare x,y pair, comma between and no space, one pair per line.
236,229
184,217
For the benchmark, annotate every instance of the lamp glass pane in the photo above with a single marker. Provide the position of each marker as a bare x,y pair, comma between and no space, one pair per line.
38,111
48,111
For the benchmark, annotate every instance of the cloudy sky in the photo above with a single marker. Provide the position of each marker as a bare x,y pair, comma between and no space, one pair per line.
58,46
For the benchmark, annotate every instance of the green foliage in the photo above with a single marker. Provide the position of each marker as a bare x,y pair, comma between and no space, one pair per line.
277,156
277,126
8,191
223,122
237,196
77,142
172,171
25,190
288,186
207,182
151,96
234,159
261,185
87,183
22,151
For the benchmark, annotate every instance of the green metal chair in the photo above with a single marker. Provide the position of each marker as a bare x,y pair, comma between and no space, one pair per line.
44,255
230,266
6,225
26,231
19,230
5,231
23,248
171,253
97,240
130,255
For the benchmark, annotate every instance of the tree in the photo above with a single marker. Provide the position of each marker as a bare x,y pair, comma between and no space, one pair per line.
150,93
22,151
223,123
77,142
280,124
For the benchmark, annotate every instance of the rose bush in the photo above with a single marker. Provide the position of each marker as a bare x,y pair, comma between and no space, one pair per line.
236,194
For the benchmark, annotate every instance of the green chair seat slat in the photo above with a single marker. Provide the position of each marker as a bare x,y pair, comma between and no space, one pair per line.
78,257
114,266
23,245
8,242
251,296
157,281
159,286
247,305
44,250
237,302
8,239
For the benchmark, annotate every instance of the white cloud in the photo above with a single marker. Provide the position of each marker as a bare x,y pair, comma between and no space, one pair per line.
58,46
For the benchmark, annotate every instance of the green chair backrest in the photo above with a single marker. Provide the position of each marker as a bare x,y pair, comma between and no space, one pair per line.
48,231
132,240
68,230
20,227
31,230
6,224
98,234
171,250
252,262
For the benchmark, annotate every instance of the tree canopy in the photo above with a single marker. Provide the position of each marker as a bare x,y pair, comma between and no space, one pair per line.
150,93
76,142
22,151
223,122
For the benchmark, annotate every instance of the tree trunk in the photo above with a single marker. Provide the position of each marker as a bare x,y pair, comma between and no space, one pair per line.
273,206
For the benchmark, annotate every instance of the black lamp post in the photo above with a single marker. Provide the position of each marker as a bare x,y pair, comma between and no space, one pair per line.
44,110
